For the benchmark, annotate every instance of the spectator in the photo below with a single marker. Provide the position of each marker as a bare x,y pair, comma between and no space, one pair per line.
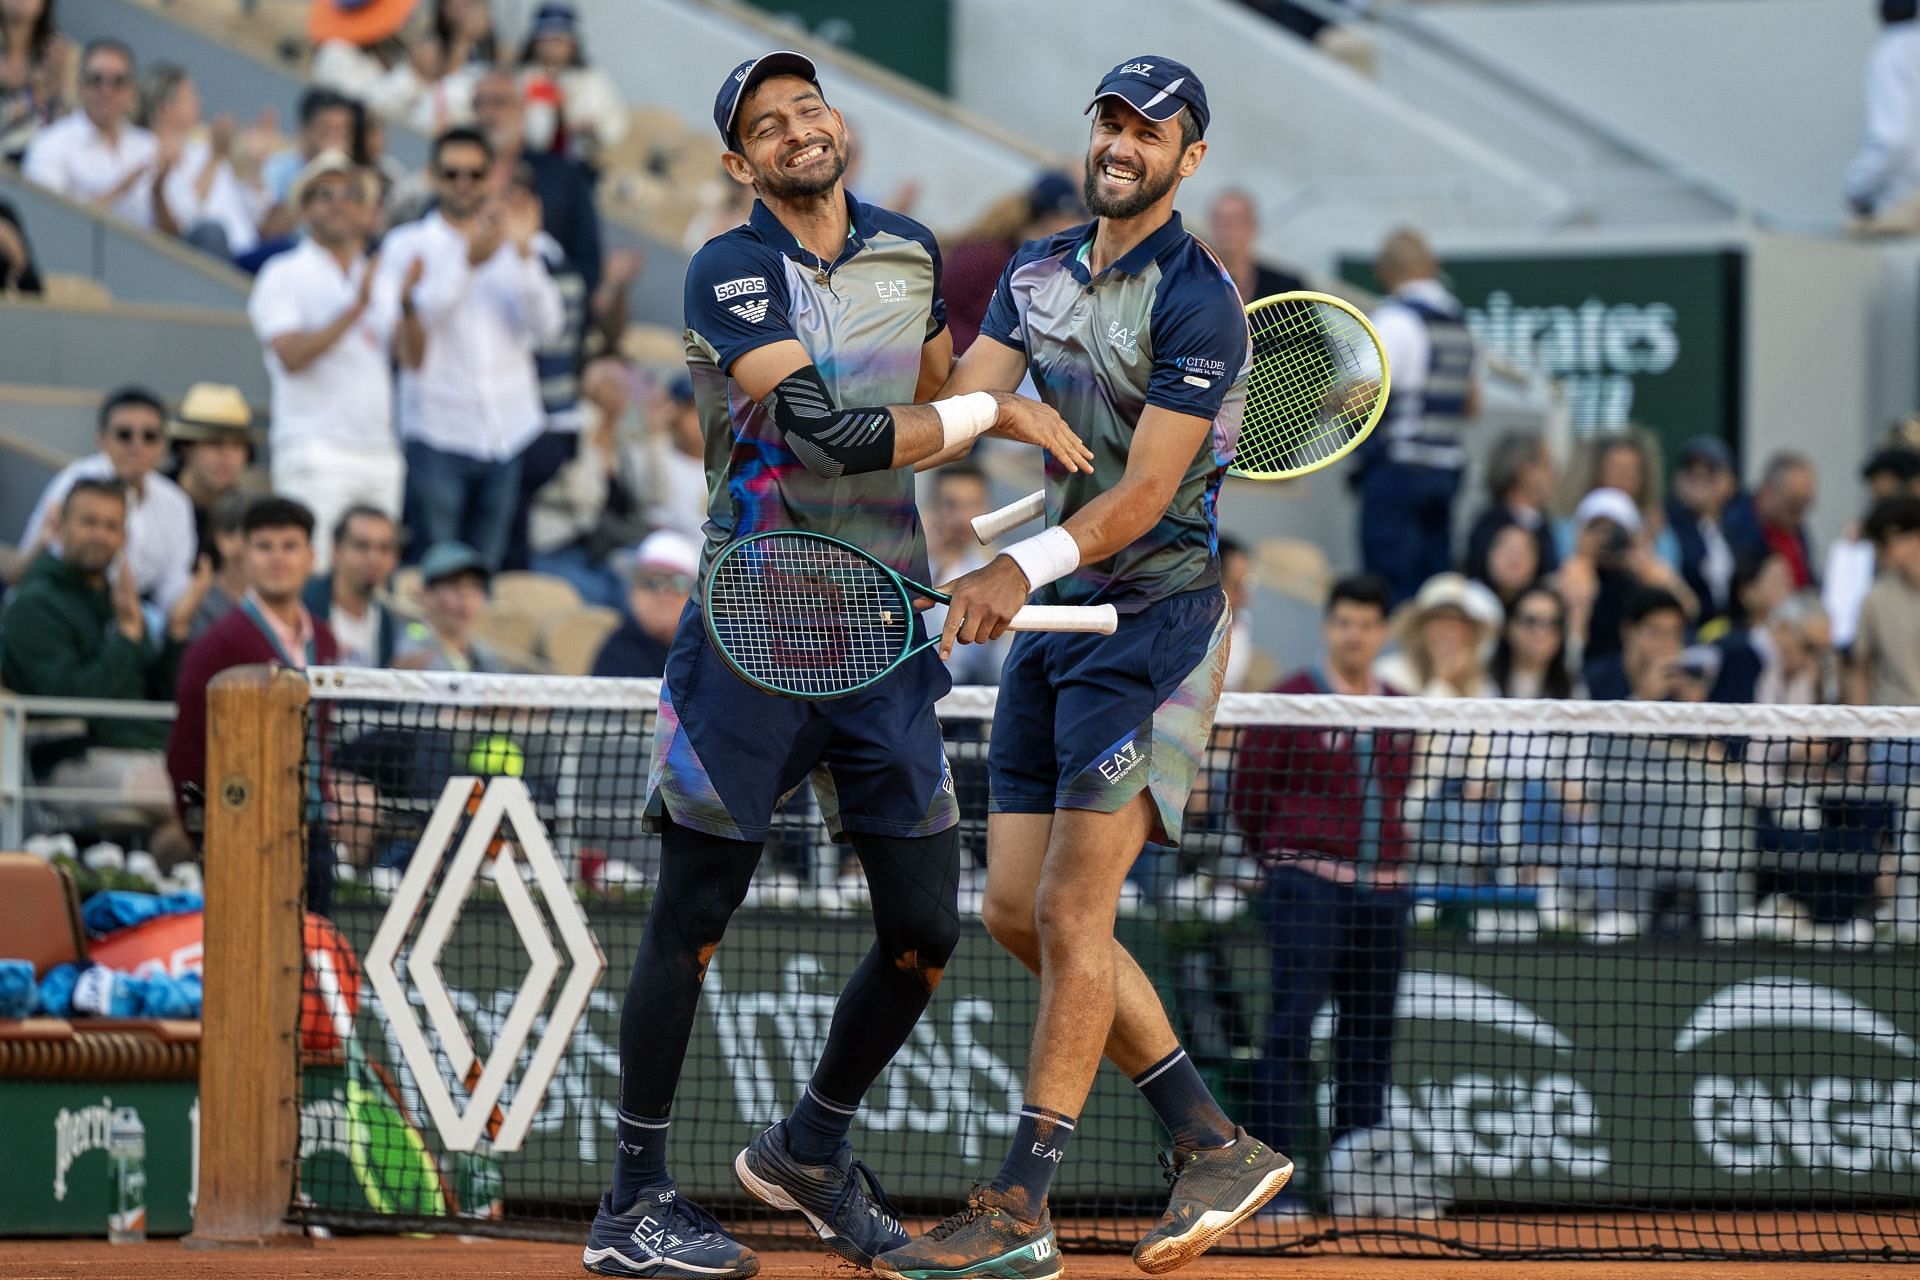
1628,461
1321,807
1520,482
1885,173
427,82
1612,558
366,551
36,73
588,509
326,124
562,185
1760,586
210,194
1234,225
1885,668
1799,666
18,274
270,627
970,270
673,480
573,109
725,204
1651,664
484,302
224,544
325,319
453,579
160,540
1248,669
212,435
1443,636
1702,489
1847,575
96,155
1512,564
959,493
660,579
1410,470
1774,514
1532,659
75,629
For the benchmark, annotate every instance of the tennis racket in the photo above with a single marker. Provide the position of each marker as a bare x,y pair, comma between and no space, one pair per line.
808,616
1317,388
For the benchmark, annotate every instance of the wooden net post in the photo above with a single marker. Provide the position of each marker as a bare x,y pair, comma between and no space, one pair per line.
255,873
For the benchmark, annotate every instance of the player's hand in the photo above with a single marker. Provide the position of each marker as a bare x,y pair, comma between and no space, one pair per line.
982,604
1031,422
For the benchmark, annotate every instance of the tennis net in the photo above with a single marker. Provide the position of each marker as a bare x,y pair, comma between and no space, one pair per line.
1505,978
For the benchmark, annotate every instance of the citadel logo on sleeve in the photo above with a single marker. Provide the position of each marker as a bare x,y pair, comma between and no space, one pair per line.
1201,372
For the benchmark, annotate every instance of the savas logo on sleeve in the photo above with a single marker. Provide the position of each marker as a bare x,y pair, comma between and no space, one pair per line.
734,288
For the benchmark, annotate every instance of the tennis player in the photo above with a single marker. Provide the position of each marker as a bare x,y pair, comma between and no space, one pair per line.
1134,332
811,331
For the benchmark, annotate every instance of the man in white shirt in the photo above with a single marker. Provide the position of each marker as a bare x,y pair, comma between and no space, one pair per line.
325,317
1884,177
1410,469
160,533
95,155
959,493
471,402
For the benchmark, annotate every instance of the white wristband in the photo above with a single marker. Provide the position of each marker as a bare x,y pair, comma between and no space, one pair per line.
964,417
1045,557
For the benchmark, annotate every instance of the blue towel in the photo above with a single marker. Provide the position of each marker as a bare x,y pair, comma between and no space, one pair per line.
101,992
17,993
112,909
162,996
56,991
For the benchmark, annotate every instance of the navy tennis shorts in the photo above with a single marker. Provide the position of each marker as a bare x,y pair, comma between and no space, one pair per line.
1089,721
726,755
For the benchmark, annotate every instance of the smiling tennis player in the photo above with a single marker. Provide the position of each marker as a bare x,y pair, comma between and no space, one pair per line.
811,331
1135,333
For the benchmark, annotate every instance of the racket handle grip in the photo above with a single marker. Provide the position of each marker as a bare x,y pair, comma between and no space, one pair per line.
1098,618
991,525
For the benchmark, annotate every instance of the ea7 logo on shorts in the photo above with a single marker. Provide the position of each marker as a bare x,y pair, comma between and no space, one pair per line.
891,290
1136,68
734,288
1120,763
751,312
1122,337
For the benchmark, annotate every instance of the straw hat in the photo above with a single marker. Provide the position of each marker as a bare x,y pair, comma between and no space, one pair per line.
1449,592
212,412
324,165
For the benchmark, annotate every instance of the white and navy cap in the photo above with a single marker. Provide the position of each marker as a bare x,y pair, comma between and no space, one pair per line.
1157,88
750,73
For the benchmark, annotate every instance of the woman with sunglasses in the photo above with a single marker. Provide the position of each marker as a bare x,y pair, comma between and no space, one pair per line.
1531,660
37,66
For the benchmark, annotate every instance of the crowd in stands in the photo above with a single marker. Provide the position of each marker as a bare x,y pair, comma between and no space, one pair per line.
450,393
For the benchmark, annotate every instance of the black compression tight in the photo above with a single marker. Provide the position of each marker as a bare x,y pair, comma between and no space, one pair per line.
703,879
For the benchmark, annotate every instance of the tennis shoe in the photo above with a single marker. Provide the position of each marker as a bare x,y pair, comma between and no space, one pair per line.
1213,1192
666,1237
983,1241
841,1200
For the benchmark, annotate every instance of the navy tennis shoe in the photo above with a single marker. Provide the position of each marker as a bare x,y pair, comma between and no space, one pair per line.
667,1237
841,1199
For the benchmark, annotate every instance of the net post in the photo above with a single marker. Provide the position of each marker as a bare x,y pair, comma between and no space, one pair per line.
255,873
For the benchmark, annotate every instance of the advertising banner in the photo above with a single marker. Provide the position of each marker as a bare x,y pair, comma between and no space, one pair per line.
55,1178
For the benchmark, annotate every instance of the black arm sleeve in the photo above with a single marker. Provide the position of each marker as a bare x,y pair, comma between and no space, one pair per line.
828,441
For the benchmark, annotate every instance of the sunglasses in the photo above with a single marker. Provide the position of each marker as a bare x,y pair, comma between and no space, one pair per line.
127,435
678,583
106,80
462,175
337,195
1537,621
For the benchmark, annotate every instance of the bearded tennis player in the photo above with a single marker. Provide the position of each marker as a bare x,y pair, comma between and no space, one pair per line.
1135,333
811,332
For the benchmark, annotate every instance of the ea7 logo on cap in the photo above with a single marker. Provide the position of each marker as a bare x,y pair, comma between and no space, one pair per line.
734,288
1136,68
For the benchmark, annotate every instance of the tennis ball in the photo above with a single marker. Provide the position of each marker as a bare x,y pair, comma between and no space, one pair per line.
497,755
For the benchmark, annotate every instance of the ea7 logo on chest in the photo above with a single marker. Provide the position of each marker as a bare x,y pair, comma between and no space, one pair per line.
734,288
1122,337
891,290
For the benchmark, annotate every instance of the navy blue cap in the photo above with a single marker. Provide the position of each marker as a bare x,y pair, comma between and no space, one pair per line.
1053,193
1157,88
1708,449
555,18
750,73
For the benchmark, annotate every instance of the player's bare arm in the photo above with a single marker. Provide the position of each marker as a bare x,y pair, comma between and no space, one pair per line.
1163,448
846,440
